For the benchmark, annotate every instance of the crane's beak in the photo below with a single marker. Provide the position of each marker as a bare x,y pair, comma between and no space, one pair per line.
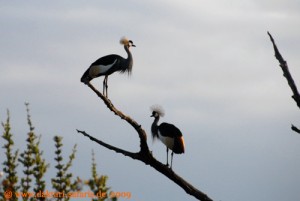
133,45
152,115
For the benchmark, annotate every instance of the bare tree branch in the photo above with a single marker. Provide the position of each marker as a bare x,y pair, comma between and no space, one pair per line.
134,124
294,128
116,149
286,72
144,155
288,76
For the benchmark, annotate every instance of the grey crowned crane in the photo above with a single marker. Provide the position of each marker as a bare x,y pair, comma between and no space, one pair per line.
168,134
109,64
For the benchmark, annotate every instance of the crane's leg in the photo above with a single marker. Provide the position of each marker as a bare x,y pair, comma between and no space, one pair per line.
167,156
172,158
105,86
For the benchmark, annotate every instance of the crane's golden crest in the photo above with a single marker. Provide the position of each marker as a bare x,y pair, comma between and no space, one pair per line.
158,109
124,41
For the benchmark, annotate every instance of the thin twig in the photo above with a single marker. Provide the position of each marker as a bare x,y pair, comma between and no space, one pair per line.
108,146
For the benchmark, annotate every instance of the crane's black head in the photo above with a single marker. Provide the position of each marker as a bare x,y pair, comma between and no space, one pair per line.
157,111
154,114
131,43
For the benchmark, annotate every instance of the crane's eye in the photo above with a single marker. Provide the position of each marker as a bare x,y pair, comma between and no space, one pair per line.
131,43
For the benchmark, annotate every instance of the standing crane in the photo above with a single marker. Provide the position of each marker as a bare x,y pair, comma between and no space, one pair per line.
109,64
168,134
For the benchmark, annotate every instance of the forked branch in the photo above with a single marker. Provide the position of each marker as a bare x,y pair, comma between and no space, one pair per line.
144,155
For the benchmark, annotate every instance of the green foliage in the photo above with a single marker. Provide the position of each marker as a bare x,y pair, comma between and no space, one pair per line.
34,168
97,183
10,180
39,170
33,162
26,158
62,183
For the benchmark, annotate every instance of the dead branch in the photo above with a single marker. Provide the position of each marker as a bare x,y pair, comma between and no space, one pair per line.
294,128
286,72
144,155
288,76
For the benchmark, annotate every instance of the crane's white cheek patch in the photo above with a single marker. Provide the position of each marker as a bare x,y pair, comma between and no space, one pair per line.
100,69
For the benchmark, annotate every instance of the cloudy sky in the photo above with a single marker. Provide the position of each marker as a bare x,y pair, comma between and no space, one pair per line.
210,64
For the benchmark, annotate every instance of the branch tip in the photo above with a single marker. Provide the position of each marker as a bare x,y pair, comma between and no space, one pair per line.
294,128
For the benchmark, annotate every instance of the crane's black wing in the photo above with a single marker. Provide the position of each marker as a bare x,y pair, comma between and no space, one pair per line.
106,60
103,61
169,130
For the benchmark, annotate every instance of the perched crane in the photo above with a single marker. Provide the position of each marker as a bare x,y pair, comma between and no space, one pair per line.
109,64
169,134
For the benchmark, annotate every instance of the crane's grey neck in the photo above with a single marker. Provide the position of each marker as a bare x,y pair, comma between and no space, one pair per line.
129,60
154,128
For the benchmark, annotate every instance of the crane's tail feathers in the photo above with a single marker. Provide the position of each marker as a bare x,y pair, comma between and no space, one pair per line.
182,144
179,146
86,77
159,109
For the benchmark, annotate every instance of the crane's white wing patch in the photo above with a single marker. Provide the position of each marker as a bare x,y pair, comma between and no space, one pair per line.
168,141
100,69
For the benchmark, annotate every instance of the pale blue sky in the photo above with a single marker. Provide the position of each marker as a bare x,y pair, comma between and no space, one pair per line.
210,65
